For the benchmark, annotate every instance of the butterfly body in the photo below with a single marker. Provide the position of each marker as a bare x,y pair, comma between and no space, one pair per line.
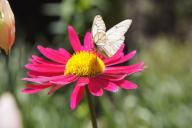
100,38
109,42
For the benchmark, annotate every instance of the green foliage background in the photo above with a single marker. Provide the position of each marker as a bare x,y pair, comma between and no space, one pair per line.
161,33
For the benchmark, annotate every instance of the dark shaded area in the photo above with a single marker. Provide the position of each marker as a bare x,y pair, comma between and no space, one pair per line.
166,17
163,19
30,19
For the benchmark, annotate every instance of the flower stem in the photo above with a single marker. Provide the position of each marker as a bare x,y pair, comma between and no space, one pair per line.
91,109
9,86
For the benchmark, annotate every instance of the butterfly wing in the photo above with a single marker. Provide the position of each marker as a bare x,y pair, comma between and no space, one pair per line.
98,33
115,37
98,26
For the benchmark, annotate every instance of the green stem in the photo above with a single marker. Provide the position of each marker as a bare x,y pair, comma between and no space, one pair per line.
91,108
9,86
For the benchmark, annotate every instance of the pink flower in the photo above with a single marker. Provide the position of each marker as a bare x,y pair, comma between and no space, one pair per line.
86,67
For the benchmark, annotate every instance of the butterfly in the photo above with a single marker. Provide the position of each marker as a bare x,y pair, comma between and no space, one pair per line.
109,42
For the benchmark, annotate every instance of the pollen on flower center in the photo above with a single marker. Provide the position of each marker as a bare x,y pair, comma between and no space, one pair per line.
84,64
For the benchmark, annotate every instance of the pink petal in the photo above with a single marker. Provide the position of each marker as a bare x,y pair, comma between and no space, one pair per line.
59,54
45,68
64,80
31,91
100,84
88,42
61,82
75,43
52,55
47,65
44,79
125,69
95,88
116,56
122,59
125,84
111,87
40,60
46,74
65,53
76,96
31,75
112,77
82,81
39,86
32,88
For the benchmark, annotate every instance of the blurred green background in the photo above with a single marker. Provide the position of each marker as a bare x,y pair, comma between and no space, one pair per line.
161,32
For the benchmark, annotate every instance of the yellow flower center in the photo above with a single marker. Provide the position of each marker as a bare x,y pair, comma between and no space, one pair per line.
84,64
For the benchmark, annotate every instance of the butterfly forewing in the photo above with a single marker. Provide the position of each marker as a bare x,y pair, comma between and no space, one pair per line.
115,37
118,30
98,26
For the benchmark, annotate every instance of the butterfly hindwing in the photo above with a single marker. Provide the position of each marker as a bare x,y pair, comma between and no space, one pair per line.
98,25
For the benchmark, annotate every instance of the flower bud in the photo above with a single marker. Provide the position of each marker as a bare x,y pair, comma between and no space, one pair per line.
7,26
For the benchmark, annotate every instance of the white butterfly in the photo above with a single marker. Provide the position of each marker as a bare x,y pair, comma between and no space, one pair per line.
109,42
